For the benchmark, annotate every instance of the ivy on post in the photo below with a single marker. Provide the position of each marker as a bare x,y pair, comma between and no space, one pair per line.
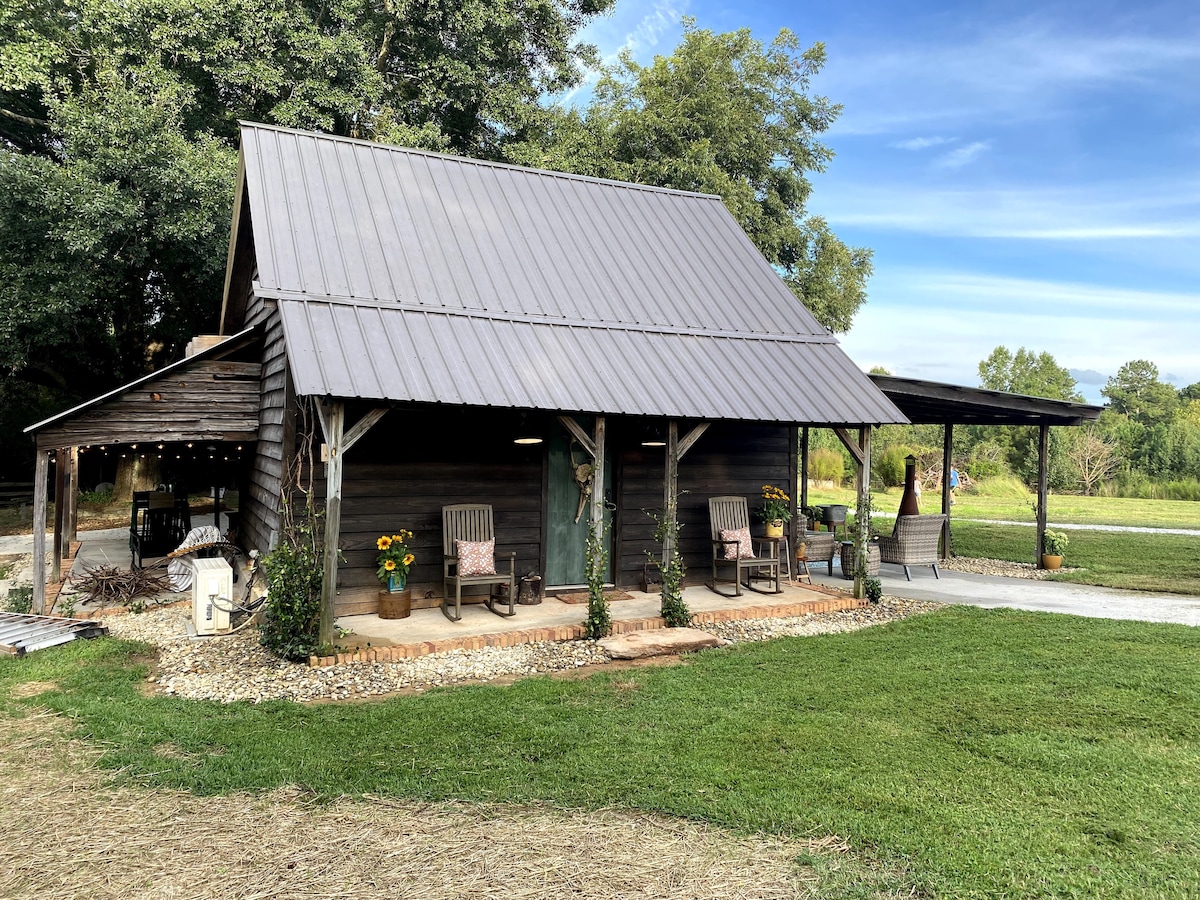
599,619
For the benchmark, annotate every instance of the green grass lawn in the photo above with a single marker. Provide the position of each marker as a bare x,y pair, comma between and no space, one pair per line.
984,753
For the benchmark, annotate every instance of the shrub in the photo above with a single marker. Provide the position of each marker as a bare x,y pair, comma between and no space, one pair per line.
890,466
96,498
1054,543
599,620
19,599
827,465
1001,486
873,588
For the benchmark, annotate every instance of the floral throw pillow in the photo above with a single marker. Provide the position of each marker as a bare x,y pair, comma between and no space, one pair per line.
476,557
743,549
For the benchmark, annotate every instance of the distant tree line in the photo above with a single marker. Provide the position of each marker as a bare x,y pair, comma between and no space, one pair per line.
1145,444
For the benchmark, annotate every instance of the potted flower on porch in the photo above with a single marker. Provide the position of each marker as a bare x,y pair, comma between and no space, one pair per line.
394,559
776,509
1053,545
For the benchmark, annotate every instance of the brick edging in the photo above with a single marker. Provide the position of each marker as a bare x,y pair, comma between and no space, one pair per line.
575,632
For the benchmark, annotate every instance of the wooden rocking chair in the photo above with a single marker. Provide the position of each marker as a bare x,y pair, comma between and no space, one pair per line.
473,522
731,514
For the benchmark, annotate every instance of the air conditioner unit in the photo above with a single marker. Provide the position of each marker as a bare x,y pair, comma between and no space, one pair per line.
212,595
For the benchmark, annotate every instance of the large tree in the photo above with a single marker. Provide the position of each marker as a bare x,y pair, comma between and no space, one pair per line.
723,114
118,129
1135,391
1028,373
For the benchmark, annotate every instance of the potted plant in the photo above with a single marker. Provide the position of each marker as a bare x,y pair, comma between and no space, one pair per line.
1053,545
775,510
814,514
394,559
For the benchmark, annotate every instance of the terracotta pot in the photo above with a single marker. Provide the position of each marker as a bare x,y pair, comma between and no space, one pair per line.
775,529
1051,562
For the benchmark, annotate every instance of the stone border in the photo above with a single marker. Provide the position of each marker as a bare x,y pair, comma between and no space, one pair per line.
575,632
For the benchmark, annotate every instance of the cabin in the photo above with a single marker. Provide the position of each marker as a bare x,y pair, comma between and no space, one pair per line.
432,330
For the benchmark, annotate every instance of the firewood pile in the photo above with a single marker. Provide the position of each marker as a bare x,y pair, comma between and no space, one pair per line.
109,586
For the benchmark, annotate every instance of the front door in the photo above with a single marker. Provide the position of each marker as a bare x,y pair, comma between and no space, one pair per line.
566,538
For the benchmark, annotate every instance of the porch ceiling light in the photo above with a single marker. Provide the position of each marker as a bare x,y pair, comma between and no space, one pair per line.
530,439
526,432
652,435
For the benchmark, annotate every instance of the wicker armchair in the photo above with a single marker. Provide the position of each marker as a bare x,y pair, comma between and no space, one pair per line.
819,546
914,542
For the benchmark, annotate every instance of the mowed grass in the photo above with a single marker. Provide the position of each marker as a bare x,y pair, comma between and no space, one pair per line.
982,753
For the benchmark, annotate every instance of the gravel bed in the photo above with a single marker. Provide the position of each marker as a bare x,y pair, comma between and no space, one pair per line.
235,667
998,567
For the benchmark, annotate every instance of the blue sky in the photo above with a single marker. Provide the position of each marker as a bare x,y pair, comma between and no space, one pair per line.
1026,173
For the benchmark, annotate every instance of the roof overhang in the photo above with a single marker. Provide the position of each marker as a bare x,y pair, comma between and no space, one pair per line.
935,403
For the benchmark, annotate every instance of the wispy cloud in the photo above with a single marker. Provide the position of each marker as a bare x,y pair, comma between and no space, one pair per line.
960,156
1117,210
921,143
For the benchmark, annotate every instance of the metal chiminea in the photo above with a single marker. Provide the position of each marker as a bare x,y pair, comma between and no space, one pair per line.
908,502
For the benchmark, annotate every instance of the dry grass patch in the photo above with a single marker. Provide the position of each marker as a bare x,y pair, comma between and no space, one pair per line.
70,834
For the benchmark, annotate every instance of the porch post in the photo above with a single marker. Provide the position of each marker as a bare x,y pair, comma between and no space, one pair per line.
804,467
1043,489
598,482
861,526
73,500
671,489
794,484
60,512
333,422
40,476
947,461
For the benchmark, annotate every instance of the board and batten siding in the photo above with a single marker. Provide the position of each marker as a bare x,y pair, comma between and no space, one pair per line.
275,414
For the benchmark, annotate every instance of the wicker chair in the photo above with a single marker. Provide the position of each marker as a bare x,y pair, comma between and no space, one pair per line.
819,546
914,542
730,514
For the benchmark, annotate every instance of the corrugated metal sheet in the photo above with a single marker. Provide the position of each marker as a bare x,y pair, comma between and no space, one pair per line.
369,352
21,634
458,281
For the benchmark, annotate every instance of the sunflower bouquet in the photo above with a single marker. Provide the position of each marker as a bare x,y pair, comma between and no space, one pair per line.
776,505
394,556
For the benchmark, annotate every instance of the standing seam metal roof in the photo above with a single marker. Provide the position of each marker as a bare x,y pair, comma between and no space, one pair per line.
406,275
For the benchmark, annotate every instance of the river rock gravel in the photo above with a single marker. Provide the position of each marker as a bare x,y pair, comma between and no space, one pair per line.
235,667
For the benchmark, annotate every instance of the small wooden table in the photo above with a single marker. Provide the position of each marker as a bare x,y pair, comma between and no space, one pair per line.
778,545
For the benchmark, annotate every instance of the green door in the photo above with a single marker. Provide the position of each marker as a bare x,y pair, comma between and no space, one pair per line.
566,539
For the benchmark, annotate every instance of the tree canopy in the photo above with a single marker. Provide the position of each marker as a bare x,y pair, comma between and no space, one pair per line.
726,115
1028,373
1136,392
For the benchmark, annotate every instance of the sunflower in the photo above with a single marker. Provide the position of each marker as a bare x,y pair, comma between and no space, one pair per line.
389,564
408,559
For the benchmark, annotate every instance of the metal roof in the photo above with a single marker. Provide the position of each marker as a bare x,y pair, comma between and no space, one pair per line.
407,275
21,633
932,402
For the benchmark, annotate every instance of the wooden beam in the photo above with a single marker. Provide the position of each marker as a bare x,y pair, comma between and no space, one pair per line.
686,442
947,462
40,478
577,432
1043,489
804,467
862,531
322,408
60,513
332,422
361,427
794,486
598,482
73,498
849,443
670,489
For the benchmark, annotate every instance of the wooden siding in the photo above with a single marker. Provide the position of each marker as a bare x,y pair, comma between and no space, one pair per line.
414,462
260,508
211,400
730,458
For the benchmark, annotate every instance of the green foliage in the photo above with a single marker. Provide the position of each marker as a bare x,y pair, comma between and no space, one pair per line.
674,611
724,114
96,498
1001,486
599,620
19,599
1054,543
873,588
827,465
1136,392
293,609
889,467
1035,375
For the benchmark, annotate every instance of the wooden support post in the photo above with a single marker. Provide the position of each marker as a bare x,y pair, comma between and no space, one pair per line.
862,530
333,420
794,485
804,467
598,482
947,462
671,489
1043,489
40,477
60,513
73,497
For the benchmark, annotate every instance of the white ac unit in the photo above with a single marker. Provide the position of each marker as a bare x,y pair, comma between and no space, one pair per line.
212,595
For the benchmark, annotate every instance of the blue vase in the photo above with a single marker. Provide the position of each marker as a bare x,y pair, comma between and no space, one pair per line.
395,582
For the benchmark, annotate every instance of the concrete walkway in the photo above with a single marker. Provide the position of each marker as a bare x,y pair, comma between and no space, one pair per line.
992,591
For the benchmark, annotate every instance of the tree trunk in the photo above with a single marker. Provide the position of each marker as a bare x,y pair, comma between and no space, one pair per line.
136,473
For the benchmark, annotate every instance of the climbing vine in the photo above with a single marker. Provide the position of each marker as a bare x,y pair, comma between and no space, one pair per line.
599,620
